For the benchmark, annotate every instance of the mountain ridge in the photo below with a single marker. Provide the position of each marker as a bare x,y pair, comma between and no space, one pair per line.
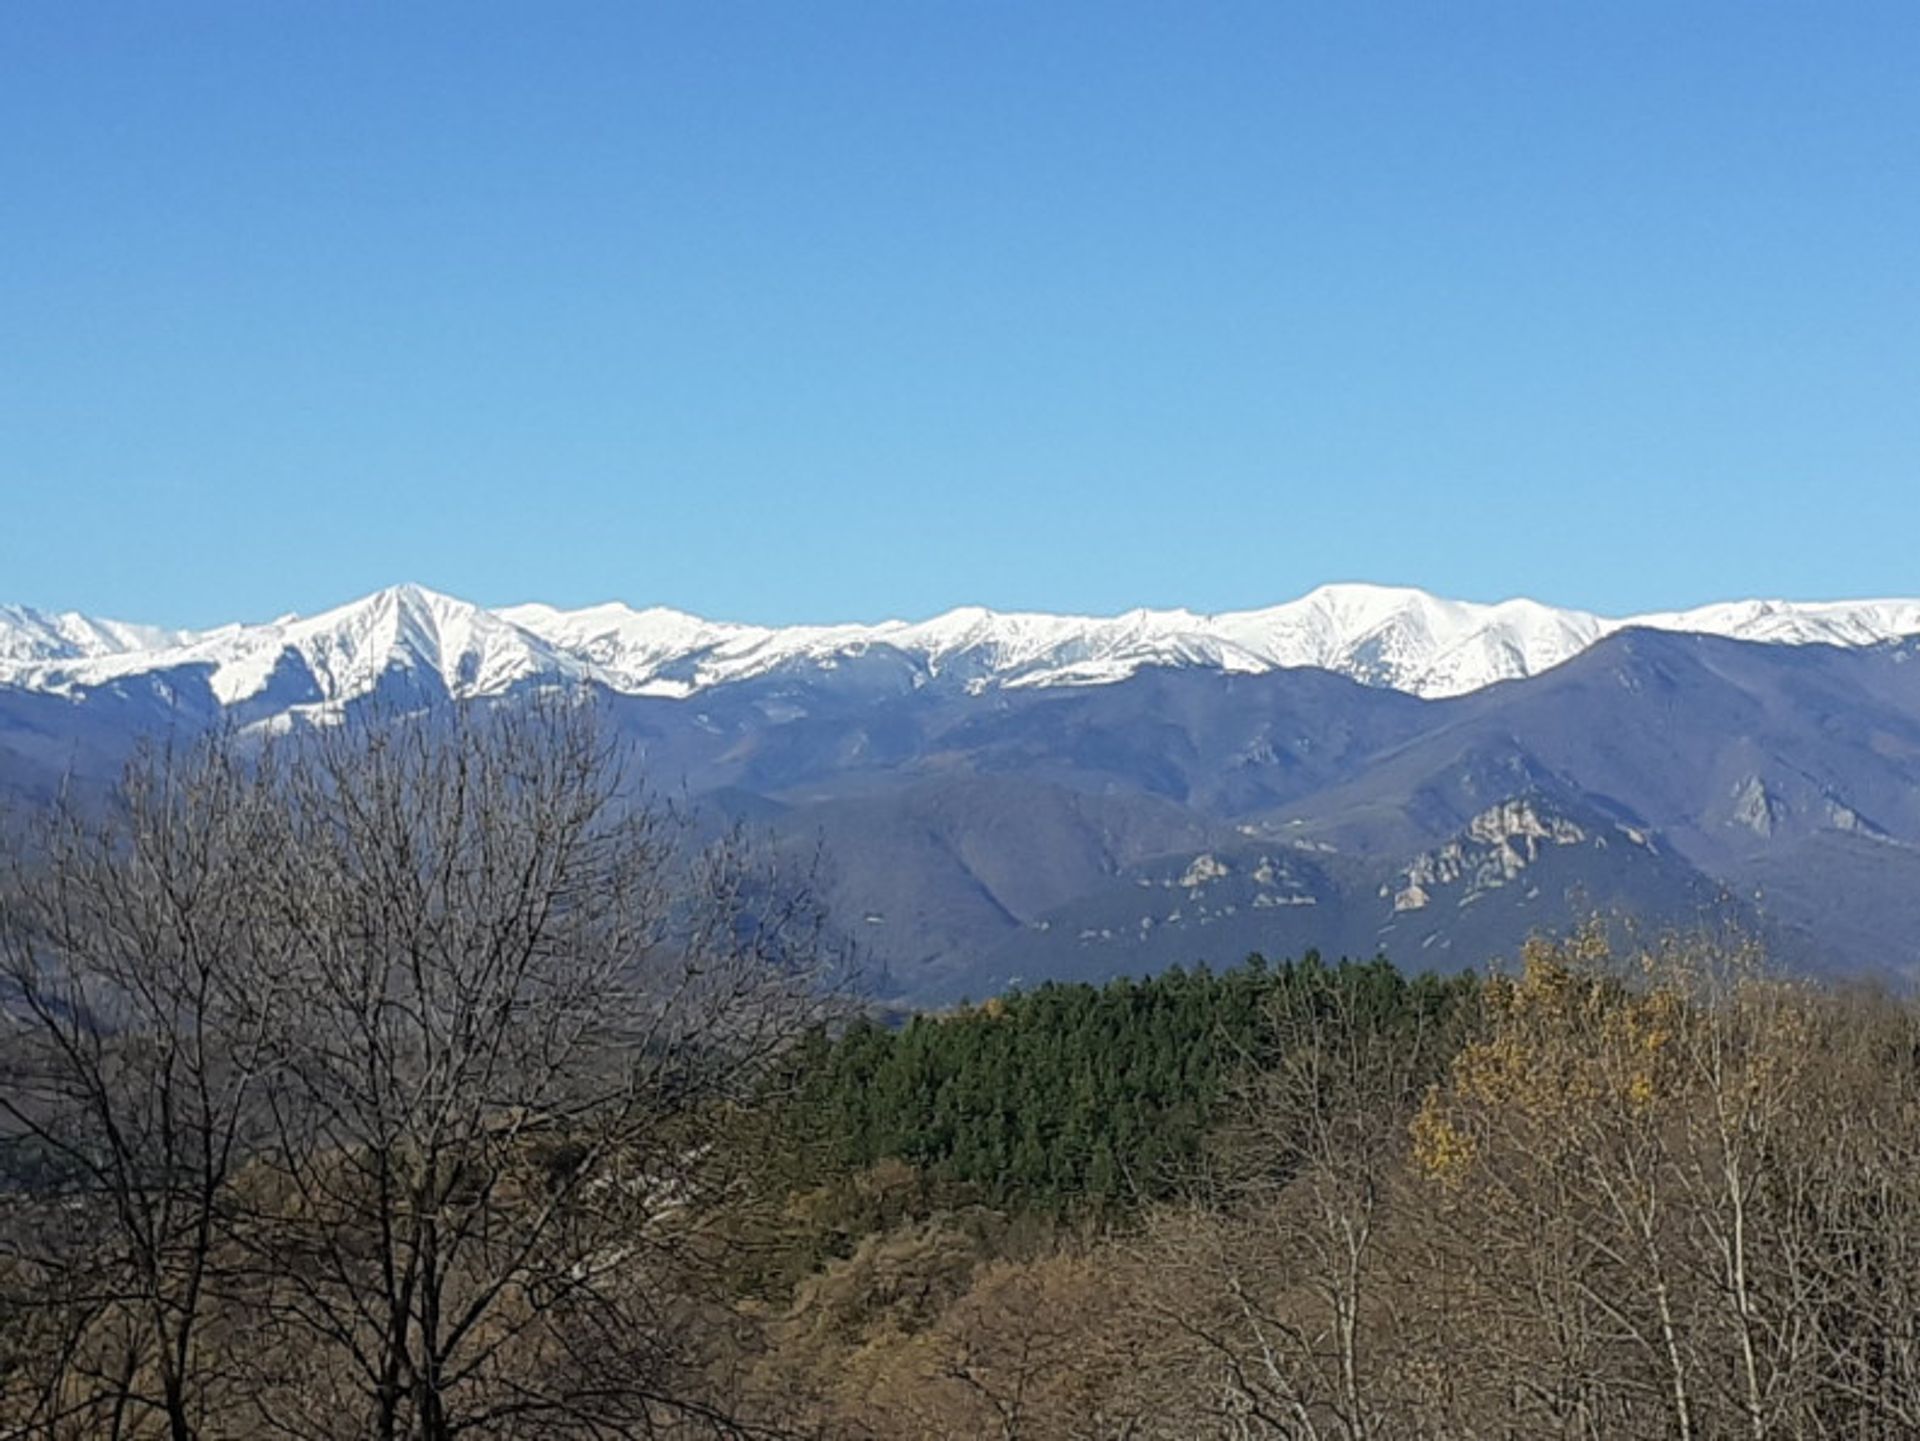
973,835
1397,638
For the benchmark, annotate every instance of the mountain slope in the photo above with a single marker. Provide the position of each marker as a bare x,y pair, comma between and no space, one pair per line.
986,813
1536,861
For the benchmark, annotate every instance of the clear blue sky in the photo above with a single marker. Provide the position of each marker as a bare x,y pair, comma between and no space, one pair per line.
817,311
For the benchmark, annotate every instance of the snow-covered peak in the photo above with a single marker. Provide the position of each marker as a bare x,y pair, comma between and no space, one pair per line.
1783,622
29,636
1390,636
335,656
634,651
470,650
1400,638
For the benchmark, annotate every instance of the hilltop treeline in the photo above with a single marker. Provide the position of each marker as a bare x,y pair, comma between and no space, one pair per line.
1072,1098
396,1082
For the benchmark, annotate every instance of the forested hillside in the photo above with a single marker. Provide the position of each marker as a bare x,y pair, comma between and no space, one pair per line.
1639,1194
1072,1098
396,1082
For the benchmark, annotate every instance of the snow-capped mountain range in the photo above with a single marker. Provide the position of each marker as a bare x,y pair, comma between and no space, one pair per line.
1402,639
1006,798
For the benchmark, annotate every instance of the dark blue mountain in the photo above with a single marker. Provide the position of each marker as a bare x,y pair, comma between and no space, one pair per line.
1183,814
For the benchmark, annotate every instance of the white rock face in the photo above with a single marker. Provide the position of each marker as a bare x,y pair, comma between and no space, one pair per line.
1499,844
1399,638
1755,807
1204,868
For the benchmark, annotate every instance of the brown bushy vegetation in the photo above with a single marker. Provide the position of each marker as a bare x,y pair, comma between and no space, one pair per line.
1660,1195
409,1082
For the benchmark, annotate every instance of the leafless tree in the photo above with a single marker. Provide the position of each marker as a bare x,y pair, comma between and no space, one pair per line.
391,1056
136,1038
1275,1272
518,1008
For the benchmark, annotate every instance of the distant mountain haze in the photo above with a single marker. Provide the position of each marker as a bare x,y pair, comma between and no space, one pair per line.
1004,798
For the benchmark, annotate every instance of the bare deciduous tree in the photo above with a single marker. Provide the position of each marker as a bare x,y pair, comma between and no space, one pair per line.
1282,1282
133,942
390,1056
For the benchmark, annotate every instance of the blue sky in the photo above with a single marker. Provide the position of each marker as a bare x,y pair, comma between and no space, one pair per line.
827,311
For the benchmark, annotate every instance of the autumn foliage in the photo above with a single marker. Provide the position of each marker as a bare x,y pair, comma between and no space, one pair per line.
411,1086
